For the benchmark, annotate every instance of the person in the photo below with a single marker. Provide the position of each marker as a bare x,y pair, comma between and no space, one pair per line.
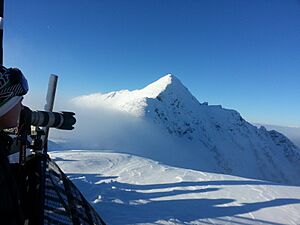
13,86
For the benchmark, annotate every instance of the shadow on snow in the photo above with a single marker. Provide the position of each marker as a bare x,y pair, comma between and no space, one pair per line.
122,203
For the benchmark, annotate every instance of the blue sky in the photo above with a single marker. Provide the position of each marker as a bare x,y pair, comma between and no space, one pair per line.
242,54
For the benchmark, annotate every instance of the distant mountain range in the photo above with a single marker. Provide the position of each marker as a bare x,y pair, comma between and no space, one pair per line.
206,137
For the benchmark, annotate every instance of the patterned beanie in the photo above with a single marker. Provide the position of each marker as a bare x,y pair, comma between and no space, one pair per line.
13,85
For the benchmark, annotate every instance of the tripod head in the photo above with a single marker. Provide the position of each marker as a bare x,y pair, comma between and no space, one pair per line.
36,119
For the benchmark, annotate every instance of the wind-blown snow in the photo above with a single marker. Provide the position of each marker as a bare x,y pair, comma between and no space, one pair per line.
126,189
134,102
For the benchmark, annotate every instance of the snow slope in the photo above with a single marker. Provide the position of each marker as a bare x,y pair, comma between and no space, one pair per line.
127,189
176,129
293,133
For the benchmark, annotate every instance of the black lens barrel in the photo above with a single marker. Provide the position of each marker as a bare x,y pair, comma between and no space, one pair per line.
60,120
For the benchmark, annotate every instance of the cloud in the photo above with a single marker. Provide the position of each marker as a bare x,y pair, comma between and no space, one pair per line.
101,127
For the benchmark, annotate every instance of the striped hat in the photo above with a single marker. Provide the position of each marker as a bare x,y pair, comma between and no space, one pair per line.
13,85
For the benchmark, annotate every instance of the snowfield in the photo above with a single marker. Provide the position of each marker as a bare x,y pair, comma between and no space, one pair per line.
126,189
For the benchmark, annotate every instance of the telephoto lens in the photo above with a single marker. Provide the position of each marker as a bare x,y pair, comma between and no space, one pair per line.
59,120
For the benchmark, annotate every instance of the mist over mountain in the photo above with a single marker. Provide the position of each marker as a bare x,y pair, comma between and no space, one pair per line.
165,122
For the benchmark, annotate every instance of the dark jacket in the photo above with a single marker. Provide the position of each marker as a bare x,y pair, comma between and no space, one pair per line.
10,209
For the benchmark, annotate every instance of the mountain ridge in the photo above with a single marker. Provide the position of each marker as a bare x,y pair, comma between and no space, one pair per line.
214,137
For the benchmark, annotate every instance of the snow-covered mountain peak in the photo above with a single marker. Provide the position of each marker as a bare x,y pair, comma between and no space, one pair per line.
159,85
167,90
220,139
163,84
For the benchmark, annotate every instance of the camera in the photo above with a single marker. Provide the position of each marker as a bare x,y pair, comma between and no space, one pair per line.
60,120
